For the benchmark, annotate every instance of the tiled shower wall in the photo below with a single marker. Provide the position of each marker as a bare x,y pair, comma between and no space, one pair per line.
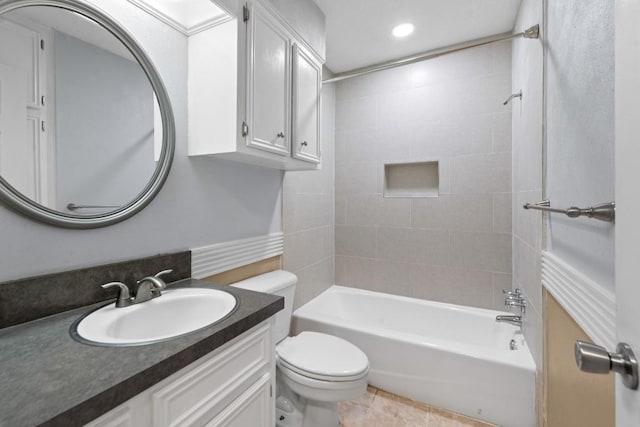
307,215
528,172
452,248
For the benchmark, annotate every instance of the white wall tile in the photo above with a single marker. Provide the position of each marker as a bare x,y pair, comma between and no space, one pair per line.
501,131
355,240
501,58
460,212
482,251
388,81
414,245
501,281
455,286
502,212
341,209
356,115
373,210
315,278
357,177
450,110
303,248
482,173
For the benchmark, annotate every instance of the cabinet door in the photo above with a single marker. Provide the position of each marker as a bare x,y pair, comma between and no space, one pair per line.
253,408
268,82
20,48
307,83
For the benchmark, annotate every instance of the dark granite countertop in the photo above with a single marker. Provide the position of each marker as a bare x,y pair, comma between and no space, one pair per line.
48,378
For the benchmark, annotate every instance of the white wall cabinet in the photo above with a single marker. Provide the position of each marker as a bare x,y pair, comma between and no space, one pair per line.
307,84
254,91
233,386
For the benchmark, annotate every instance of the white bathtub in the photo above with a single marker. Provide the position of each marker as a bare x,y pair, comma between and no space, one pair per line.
445,355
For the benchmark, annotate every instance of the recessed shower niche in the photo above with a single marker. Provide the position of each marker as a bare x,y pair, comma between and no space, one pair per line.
419,179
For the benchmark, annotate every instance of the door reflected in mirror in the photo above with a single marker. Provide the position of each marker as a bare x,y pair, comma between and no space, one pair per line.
79,123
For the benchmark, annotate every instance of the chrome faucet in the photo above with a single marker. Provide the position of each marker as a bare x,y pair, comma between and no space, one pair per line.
150,287
124,299
146,288
514,320
520,303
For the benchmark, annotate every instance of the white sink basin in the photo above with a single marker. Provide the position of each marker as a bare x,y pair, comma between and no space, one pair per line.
176,312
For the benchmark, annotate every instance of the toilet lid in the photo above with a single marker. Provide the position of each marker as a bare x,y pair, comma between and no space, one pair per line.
322,356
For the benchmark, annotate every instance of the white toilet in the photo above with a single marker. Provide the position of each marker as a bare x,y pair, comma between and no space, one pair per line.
314,371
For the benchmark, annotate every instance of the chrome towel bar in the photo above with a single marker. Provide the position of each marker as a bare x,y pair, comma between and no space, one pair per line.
604,212
73,207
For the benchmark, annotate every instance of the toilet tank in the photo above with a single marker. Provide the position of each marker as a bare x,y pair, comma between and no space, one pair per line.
277,282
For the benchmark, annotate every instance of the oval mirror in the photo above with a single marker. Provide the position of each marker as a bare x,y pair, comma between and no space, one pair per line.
86,128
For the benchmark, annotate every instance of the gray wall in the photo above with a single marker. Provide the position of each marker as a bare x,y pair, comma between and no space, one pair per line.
457,247
104,125
308,215
204,201
527,172
580,131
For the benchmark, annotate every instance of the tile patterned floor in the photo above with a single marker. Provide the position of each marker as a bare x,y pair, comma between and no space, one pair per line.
377,408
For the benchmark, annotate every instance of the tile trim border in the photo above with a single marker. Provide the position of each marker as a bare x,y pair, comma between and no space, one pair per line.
210,260
591,305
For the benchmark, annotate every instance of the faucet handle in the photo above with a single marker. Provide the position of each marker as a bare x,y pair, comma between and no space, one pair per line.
164,272
515,292
124,299
156,283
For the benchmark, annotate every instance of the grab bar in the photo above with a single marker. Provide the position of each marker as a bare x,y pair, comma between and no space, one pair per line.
73,206
604,212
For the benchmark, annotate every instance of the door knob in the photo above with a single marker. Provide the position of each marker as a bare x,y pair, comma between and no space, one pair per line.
596,359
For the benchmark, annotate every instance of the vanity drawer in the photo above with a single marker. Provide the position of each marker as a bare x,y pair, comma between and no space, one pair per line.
200,394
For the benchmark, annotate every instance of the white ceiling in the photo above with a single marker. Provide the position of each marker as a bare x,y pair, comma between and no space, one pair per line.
359,31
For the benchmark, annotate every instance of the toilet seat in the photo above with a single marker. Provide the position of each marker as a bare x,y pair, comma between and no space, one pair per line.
322,357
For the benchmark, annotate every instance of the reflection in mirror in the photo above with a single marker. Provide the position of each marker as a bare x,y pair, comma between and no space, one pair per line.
79,124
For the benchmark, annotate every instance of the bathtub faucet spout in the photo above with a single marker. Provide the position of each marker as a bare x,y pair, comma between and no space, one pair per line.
514,320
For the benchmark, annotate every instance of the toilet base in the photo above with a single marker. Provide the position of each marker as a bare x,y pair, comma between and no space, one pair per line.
321,414
308,413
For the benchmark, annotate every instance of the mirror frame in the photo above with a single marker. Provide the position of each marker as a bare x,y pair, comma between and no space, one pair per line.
22,204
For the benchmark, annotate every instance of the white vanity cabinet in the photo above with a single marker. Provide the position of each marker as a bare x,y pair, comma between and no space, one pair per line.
254,91
232,386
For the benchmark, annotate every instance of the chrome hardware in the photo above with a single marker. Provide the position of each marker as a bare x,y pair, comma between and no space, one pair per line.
42,126
530,33
150,287
245,129
513,345
514,320
304,143
596,359
516,291
43,100
602,212
245,13
520,303
73,206
124,299
280,135
515,95
147,288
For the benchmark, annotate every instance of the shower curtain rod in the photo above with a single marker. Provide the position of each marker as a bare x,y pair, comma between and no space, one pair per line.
530,33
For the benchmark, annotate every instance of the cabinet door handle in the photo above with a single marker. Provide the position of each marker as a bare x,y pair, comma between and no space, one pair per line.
280,135
304,143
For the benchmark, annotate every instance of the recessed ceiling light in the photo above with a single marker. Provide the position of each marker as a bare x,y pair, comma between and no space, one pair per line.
402,30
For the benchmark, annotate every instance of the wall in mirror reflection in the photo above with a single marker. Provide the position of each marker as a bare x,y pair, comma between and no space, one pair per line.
80,124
